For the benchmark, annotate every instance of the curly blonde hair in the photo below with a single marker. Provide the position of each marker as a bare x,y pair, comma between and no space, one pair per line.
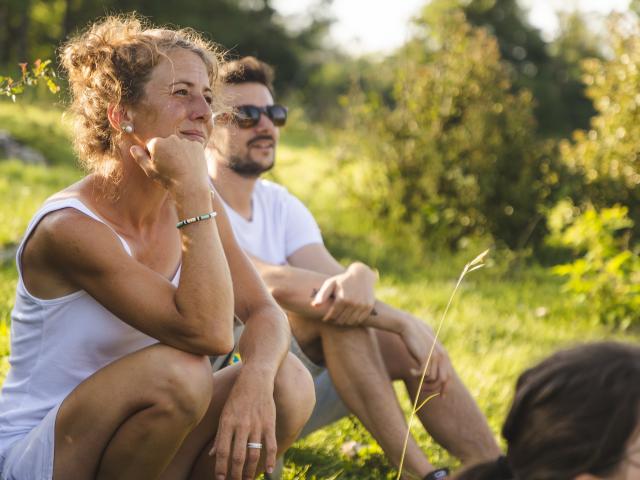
109,64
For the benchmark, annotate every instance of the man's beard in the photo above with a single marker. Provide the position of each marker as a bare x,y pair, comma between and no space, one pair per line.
247,167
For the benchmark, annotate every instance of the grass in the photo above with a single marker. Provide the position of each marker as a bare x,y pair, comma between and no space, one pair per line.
23,188
499,324
7,294
43,129
502,320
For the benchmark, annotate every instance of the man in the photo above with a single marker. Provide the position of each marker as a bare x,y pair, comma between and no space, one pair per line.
353,344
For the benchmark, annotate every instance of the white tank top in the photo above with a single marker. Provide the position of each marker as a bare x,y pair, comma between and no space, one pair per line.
57,343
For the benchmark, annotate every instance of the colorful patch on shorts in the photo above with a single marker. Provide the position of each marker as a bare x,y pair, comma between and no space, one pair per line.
235,358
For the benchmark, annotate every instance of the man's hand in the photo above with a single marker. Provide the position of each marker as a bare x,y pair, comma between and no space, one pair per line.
419,338
350,294
248,416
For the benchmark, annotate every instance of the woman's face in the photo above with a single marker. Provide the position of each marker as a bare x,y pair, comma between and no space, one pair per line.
177,100
630,466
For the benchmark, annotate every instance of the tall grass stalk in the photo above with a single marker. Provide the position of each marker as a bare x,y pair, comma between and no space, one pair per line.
474,264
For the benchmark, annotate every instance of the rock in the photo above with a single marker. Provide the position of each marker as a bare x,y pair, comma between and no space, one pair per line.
541,312
351,448
8,253
11,148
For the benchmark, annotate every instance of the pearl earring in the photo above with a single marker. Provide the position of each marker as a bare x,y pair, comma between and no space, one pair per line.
127,129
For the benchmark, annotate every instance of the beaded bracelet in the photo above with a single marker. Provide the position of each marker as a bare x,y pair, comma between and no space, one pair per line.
199,218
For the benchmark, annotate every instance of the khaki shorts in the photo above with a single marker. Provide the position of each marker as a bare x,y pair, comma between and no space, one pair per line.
329,407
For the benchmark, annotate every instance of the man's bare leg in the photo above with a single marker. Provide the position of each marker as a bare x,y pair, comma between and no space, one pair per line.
455,421
360,377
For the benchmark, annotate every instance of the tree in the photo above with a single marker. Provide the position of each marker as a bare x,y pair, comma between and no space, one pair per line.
455,153
561,105
248,27
575,43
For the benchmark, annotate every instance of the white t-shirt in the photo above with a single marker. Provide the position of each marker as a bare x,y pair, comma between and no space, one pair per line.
280,224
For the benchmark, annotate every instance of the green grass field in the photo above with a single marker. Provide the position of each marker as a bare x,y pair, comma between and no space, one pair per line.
503,319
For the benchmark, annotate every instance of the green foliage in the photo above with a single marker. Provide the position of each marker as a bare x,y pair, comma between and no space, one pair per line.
576,41
36,28
606,156
42,128
40,72
499,313
332,79
7,294
344,451
455,153
23,188
547,70
606,276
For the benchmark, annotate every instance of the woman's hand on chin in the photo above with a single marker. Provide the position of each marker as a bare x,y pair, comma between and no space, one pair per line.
172,161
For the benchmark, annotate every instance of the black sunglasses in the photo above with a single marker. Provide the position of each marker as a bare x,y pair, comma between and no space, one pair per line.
247,116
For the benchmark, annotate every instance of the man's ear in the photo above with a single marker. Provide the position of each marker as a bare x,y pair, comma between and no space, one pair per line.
118,116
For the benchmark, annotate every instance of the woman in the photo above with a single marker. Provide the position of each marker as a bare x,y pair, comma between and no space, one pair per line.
117,310
575,416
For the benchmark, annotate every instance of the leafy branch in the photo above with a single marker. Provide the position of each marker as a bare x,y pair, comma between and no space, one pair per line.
39,72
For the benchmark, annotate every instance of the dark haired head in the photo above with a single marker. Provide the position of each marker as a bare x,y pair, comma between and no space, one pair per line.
247,70
574,413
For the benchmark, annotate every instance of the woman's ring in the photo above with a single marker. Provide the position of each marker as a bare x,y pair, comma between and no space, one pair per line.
254,445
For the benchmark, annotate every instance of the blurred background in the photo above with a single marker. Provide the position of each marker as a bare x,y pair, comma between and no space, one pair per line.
420,133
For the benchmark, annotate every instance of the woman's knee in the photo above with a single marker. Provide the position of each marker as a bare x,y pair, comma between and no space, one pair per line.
294,390
182,382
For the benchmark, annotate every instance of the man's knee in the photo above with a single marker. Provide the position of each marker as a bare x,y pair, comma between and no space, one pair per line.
361,335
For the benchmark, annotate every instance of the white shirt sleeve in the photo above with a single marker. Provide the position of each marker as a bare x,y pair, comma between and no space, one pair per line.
301,228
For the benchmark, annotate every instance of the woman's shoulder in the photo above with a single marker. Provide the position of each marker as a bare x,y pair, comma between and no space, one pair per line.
68,240
70,216
77,191
80,201
65,236
67,226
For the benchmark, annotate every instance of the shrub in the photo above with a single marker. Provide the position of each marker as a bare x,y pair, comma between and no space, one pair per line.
454,153
606,156
606,276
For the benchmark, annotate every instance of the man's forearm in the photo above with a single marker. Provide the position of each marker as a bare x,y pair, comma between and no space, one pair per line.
294,288
291,287
386,317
